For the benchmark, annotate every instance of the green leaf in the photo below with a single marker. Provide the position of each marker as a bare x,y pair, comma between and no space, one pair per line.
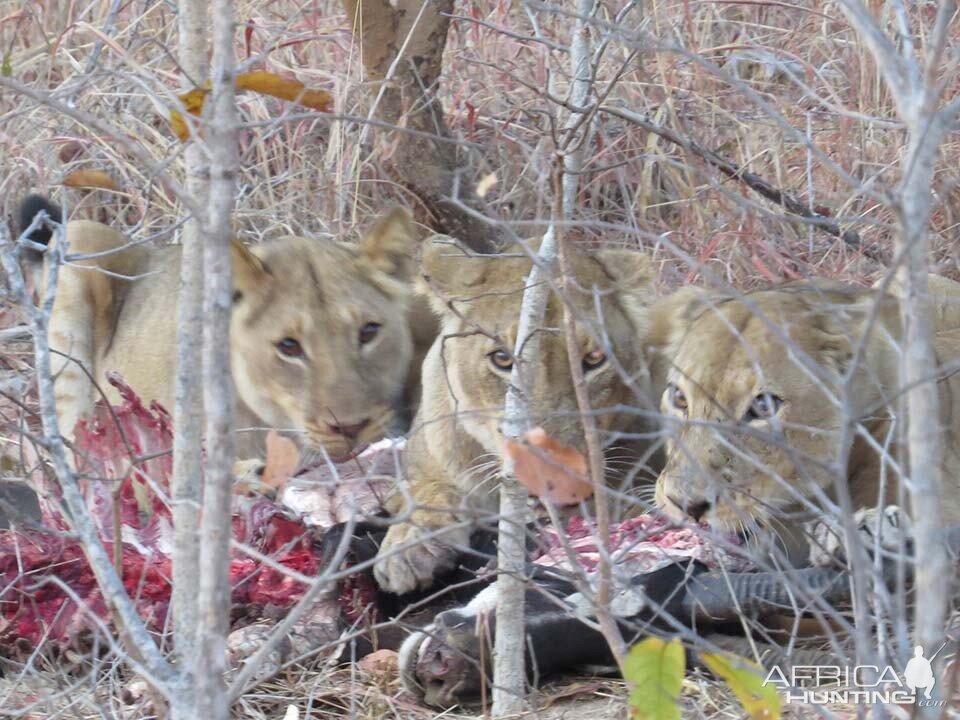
6,69
761,702
655,668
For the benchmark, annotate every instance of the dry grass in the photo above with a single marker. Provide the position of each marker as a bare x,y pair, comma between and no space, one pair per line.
306,173
312,175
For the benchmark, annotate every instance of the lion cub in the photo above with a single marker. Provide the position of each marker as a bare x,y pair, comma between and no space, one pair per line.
321,343
759,396
454,451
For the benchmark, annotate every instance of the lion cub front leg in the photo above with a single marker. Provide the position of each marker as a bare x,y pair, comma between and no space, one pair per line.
425,544
71,338
85,312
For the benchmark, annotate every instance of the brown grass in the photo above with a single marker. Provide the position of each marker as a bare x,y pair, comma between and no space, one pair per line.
310,175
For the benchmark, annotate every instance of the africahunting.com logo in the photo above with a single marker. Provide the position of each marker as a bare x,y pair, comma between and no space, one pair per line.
859,685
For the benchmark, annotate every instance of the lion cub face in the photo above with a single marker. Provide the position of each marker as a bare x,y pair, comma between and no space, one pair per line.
479,301
320,340
754,408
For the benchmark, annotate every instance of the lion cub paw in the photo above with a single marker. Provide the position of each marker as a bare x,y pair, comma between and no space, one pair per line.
889,525
411,556
888,528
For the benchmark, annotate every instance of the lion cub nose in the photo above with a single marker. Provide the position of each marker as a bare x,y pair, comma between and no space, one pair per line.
349,431
694,509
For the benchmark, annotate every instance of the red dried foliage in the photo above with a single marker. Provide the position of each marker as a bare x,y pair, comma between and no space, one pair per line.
126,449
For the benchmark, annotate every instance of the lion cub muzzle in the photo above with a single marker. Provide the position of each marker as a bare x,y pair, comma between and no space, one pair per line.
686,499
344,436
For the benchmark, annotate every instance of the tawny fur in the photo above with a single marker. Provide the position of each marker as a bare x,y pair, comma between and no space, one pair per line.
118,312
794,342
454,451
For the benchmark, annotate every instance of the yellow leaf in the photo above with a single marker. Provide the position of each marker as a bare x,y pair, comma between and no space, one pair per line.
90,179
655,668
179,125
260,81
193,102
745,679
268,83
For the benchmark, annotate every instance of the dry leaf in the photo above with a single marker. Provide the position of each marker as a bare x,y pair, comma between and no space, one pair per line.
549,469
179,125
282,460
193,100
70,151
254,477
90,179
380,663
276,86
486,184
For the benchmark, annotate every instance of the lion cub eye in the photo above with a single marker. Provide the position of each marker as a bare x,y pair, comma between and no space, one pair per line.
501,359
676,397
368,332
291,348
593,360
763,407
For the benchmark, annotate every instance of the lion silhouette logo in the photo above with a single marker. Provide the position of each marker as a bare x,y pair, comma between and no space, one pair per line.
919,674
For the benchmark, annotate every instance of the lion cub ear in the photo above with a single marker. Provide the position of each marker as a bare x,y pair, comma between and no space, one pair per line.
250,272
632,274
631,269
389,245
448,270
670,319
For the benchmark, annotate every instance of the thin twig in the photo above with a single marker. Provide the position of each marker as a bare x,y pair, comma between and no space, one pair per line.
218,389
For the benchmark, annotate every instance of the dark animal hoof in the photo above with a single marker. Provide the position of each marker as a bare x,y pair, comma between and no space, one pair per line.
440,663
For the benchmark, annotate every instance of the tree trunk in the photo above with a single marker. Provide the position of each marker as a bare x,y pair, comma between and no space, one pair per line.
921,396
219,401
509,675
916,89
402,48
188,408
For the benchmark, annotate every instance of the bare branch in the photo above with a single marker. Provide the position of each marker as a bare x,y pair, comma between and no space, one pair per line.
900,73
402,46
219,396
188,407
116,134
916,96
